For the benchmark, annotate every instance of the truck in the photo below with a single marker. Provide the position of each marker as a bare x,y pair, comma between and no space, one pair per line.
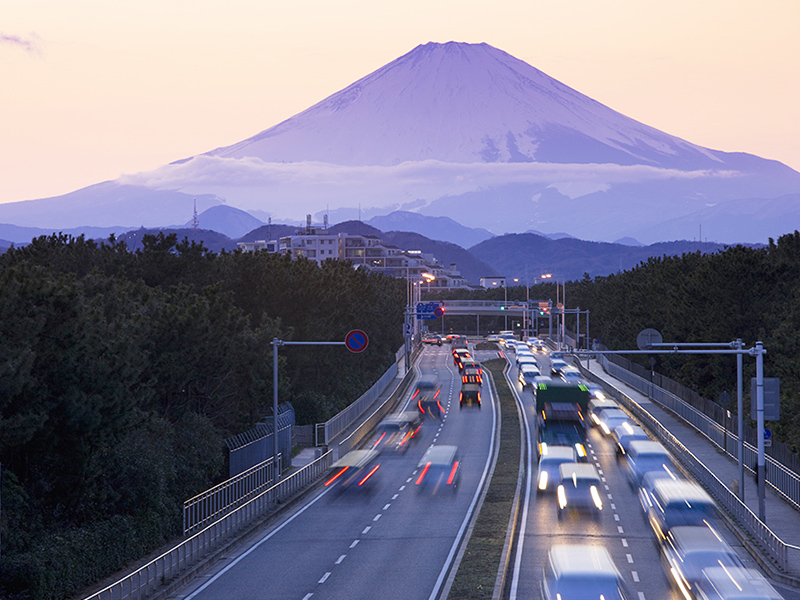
561,410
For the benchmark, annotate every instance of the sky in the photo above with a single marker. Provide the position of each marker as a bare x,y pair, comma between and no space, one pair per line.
91,90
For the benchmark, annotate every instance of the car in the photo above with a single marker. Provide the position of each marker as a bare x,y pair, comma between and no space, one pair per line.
557,365
524,354
676,502
396,432
596,391
354,470
470,391
649,481
571,375
528,374
688,550
459,355
529,361
427,397
625,434
432,338
582,571
612,418
536,345
471,367
579,489
438,468
551,459
598,405
734,583
644,456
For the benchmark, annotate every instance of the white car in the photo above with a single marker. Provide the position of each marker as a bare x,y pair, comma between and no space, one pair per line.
612,418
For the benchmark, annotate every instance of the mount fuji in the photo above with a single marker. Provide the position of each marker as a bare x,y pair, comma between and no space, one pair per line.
469,132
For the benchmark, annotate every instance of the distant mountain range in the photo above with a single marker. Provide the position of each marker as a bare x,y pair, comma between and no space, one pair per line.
527,256
464,132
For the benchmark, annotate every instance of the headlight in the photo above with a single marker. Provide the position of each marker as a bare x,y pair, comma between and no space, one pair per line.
562,497
596,498
580,450
605,429
543,480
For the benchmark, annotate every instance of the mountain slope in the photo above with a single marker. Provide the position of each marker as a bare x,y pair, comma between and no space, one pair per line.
528,256
435,228
463,131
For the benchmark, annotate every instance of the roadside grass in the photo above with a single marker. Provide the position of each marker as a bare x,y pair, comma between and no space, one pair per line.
477,573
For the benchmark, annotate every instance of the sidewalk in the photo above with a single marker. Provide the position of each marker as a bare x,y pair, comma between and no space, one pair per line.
781,517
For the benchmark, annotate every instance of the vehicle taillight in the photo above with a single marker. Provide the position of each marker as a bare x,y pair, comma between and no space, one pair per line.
452,473
422,475
370,474
335,477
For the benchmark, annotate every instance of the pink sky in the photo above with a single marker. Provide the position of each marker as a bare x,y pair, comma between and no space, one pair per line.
93,89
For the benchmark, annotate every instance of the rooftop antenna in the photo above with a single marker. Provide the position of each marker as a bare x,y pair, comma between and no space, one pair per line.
308,224
326,221
269,229
195,222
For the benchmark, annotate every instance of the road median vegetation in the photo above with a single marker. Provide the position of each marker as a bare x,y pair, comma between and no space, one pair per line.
477,573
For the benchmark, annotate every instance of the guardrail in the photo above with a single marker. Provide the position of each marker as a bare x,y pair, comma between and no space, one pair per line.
166,568
220,499
783,480
781,553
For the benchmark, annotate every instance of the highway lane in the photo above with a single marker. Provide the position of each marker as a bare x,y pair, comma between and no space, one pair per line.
393,541
622,529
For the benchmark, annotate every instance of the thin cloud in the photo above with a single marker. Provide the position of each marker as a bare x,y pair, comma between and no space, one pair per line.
29,46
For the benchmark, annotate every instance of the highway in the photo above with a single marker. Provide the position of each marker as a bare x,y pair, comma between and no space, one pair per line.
622,528
395,540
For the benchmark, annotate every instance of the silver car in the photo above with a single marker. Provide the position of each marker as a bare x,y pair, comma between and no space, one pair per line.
580,571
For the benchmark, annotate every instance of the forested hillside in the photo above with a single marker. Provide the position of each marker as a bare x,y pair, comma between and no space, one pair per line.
121,373
738,292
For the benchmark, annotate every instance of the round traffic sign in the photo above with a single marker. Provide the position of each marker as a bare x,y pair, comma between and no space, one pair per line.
356,340
647,337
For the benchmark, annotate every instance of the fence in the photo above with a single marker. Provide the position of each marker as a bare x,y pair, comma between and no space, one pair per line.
327,431
782,554
215,502
781,478
166,568
254,446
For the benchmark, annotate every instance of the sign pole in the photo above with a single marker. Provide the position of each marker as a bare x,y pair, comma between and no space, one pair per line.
760,421
276,470
740,417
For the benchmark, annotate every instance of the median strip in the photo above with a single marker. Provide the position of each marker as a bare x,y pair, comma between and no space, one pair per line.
478,571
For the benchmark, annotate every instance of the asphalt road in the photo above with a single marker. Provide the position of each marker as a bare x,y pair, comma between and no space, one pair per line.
622,528
394,540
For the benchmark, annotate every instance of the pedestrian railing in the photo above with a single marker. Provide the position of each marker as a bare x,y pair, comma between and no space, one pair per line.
783,555
166,568
226,496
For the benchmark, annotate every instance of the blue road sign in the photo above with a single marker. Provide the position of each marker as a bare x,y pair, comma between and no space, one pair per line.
356,340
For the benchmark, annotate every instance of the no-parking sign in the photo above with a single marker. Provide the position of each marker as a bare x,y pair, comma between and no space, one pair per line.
356,340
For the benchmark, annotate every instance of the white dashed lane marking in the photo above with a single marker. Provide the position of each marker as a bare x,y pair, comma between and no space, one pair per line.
340,559
325,577
354,544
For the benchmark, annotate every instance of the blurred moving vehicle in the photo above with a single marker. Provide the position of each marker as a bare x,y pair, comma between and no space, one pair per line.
528,375
439,467
354,470
627,433
427,397
584,572
557,365
687,551
612,418
552,458
470,391
597,406
734,583
571,375
673,503
432,338
459,356
560,408
579,489
396,432
644,456
536,345
472,367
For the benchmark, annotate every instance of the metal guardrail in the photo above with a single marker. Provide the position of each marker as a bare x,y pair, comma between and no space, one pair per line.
781,553
164,569
344,419
220,499
784,481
